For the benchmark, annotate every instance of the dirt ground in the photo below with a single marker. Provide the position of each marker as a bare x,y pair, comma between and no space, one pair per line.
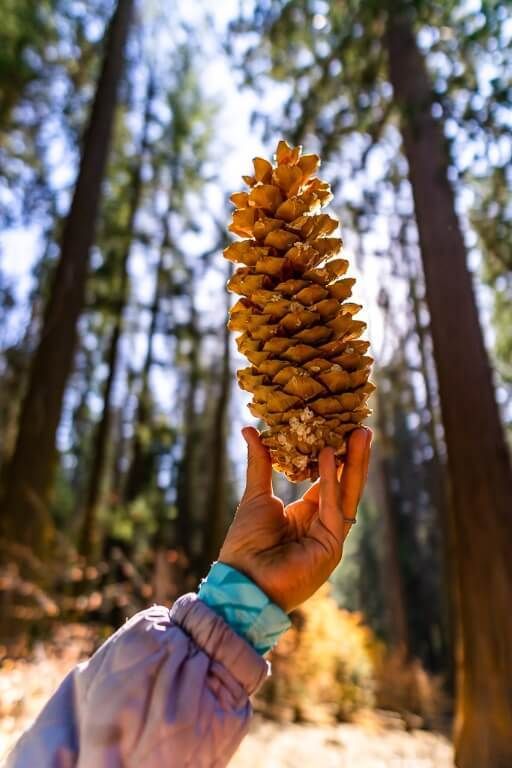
377,740
362,745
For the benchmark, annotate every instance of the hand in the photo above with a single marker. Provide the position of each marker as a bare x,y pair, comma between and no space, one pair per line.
290,551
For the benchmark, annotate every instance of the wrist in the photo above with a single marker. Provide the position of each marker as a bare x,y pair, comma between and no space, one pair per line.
246,561
254,570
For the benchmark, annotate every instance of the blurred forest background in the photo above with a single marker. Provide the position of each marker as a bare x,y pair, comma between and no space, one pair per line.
124,128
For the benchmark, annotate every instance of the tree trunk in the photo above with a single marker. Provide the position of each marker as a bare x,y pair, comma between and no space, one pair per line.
186,487
88,537
136,475
13,378
24,508
478,460
81,436
121,444
444,540
216,518
395,591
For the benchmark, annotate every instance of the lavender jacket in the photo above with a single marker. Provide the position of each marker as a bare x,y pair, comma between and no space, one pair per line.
170,688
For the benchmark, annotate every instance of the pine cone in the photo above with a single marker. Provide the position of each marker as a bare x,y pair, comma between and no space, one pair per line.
309,369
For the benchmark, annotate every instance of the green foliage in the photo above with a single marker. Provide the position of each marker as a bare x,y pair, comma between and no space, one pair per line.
26,31
492,220
49,60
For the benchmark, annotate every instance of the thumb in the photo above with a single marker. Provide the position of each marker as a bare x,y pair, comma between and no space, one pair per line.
259,465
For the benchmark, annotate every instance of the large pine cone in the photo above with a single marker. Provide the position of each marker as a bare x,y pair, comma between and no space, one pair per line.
309,369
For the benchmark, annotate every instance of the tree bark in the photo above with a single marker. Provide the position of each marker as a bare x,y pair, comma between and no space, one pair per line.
216,517
24,508
478,460
395,590
186,486
88,538
444,540
89,534
136,475
81,433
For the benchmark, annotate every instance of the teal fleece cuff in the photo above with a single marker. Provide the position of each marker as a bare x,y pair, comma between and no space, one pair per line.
244,606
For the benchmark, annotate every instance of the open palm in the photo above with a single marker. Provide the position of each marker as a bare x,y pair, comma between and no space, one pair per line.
290,551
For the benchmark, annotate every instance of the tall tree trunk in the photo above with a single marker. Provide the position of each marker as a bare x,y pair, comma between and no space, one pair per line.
170,567
186,486
121,443
24,508
13,377
80,429
441,489
88,536
136,475
216,518
395,590
478,460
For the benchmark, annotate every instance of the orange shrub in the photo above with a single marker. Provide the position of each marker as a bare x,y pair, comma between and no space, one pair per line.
324,666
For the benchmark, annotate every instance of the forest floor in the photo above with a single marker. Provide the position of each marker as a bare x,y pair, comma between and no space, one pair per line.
374,743
376,740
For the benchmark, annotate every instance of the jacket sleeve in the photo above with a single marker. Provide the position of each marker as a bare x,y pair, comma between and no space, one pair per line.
170,688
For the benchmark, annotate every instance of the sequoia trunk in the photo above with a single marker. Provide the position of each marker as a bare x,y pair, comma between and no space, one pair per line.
216,517
88,537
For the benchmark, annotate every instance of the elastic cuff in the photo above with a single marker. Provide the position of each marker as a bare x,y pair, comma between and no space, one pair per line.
216,638
244,606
